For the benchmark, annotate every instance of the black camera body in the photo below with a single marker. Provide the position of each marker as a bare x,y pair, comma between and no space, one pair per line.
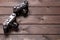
21,10
11,23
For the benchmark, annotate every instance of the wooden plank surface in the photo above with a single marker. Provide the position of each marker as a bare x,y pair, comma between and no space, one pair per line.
41,12
35,19
41,19
31,2
33,10
5,10
36,29
30,37
52,37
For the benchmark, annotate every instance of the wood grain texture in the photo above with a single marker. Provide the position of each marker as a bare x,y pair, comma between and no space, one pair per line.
40,19
39,25
26,37
35,19
30,37
5,10
52,37
31,2
33,10
35,30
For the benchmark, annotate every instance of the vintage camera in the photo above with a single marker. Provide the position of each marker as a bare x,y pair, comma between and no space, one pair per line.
11,23
21,10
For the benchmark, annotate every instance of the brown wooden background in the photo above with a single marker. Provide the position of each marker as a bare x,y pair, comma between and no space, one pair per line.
43,22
